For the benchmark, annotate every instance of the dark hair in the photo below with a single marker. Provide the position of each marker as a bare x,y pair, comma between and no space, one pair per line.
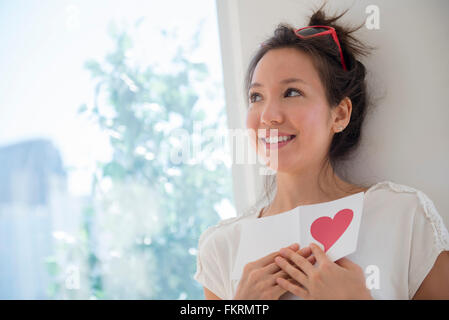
337,82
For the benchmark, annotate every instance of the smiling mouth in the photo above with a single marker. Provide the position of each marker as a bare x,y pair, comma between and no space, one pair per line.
277,141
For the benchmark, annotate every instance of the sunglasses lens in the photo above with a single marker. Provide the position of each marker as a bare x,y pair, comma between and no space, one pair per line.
311,31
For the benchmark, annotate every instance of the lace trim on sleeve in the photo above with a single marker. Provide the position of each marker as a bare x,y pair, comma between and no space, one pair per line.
441,238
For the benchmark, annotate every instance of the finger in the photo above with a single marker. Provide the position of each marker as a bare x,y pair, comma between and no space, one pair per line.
278,291
294,272
298,260
293,288
345,263
294,247
279,274
319,254
306,252
269,257
312,260
271,268
262,262
296,283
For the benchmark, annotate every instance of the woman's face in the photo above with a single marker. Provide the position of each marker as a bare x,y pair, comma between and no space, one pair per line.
298,109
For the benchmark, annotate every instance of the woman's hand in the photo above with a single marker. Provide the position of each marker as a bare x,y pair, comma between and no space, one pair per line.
258,280
326,280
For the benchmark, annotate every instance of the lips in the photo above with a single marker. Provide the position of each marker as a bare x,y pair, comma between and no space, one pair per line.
274,133
277,141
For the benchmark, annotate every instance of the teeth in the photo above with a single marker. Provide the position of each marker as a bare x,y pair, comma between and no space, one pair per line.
276,139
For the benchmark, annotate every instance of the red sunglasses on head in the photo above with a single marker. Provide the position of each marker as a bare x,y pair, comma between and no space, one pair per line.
316,31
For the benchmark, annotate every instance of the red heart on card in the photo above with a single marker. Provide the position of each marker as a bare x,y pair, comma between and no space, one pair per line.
327,230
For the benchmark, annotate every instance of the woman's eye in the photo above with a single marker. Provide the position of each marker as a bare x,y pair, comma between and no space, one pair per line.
293,90
252,96
289,90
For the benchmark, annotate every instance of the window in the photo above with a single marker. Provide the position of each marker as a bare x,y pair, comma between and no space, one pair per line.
99,196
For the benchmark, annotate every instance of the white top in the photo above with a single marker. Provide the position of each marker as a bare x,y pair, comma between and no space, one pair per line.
401,233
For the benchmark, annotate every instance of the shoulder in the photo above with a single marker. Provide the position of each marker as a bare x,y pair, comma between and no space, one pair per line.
415,204
401,195
398,191
220,230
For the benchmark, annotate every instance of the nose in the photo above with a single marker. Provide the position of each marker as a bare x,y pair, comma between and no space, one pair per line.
271,115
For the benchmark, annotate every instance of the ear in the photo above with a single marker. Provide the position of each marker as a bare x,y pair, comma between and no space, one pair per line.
341,114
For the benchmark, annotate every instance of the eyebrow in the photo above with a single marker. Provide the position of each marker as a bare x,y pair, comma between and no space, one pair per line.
285,81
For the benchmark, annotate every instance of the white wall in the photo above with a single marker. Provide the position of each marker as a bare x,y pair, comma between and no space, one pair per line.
406,138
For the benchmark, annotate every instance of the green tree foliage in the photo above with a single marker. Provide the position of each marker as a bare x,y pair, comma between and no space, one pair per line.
147,212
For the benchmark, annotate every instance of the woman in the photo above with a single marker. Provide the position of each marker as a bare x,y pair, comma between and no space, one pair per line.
309,85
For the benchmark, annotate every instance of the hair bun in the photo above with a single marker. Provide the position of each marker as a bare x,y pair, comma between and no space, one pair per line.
351,46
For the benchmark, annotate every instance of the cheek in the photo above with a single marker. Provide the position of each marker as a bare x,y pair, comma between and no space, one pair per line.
304,119
252,124
252,120
310,123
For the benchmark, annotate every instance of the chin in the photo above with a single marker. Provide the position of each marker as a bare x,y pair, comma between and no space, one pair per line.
284,166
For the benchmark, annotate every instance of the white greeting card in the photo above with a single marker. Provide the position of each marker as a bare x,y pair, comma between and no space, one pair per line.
333,225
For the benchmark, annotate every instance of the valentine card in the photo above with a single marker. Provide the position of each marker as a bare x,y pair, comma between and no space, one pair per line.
333,225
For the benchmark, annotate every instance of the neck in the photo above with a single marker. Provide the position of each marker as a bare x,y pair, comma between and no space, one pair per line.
307,187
